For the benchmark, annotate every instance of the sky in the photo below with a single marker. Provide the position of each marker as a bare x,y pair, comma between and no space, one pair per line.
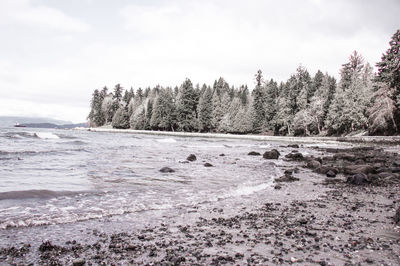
54,53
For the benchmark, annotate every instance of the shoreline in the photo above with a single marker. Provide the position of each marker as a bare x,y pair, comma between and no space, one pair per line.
391,140
305,218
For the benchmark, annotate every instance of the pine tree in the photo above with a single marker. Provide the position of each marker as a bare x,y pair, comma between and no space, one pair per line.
270,104
258,104
121,118
349,108
389,79
186,107
217,111
163,111
204,110
96,115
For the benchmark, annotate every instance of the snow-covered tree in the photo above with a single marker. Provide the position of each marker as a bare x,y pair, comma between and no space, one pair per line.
121,118
204,110
186,107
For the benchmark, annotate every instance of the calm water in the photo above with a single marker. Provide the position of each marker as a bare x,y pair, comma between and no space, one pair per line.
59,176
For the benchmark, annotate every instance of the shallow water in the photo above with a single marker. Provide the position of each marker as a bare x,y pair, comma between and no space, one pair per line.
57,176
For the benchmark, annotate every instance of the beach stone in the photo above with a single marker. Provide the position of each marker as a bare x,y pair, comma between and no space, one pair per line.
254,153
295,146
222,155
397,216
356,169
78,262
191,158
313,164
296,156
208,165
330,173
325,169
273,154
358,179
277,187
286,178
167,170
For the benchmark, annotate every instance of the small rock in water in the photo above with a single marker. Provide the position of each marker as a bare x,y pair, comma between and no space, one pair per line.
254,153
191,158
273,154
277,187
208,165
167,170
222,154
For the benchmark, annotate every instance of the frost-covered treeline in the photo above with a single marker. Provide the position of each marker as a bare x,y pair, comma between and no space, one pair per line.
303,105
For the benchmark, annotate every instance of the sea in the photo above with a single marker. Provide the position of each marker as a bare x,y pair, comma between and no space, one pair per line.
61,184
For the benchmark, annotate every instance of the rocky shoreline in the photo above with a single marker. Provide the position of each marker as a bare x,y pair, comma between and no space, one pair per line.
341,207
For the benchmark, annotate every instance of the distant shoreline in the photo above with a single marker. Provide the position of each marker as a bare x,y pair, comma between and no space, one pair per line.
352,139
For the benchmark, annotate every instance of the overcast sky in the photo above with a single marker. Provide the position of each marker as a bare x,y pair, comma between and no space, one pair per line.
53,54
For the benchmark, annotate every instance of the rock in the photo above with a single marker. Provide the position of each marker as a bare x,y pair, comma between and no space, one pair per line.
222,155
313,164
397,216
286,178
356,169
167,170
254,153
208,165
395,169
191,158
331,173
325,169
358,179
78,262
296,156
295,146
273,154
277,187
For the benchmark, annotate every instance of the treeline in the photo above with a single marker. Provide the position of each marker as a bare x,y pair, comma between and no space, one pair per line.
303,105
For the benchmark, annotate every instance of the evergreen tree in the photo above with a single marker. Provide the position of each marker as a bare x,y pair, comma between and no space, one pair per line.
186,107
258,104
121,118
389,79
349,108
163,111
270,104
96,115
204,110
217,111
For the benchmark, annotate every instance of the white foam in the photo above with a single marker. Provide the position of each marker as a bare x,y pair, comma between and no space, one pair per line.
168,140
46,135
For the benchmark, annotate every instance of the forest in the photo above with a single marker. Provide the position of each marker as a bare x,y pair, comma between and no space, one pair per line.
360,101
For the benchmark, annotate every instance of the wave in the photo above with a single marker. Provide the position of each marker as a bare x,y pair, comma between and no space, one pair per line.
168,140
46,135
34,193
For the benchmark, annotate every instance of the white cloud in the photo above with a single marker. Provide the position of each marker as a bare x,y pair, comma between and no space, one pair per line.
49,62
25,13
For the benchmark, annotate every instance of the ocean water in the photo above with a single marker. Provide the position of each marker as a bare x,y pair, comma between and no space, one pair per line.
64,177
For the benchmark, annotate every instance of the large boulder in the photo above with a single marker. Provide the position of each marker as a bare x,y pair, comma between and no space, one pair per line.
273,154
358,179
357,169
295,156
313,164
325,169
